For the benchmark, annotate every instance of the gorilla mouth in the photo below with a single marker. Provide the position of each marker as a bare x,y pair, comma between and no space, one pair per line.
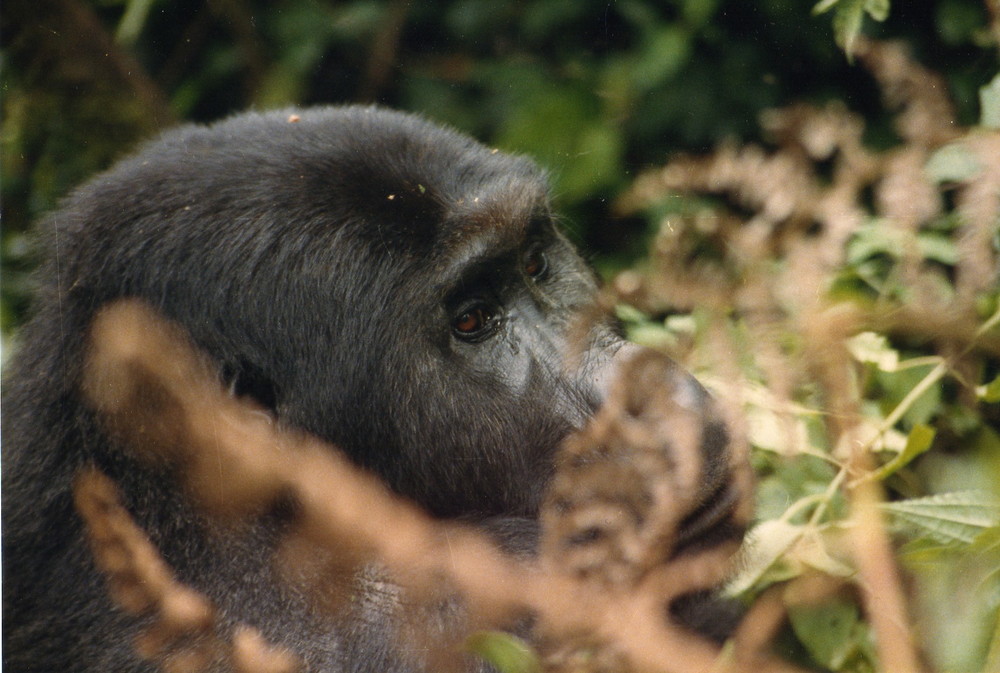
712,523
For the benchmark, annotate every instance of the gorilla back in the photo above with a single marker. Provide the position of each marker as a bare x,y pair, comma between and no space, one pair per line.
387,285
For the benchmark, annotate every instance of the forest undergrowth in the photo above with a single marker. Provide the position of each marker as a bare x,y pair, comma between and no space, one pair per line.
842,305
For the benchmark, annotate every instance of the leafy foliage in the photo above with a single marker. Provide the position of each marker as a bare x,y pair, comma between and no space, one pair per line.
821,388
594,90
507,653
597,91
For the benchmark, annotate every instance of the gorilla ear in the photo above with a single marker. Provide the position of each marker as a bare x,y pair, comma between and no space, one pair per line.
245,379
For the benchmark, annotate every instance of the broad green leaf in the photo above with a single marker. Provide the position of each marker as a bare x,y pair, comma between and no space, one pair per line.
824,6
813,550
877,9
871,432
926,553
959,516
953,163
848,17
975,467
847,22
781,433
990,392
959,23
651,335
918,442
987,545
556,123
989,103
133,21
956,595
763,548
595,161
828,631
664,52
877,238
937,248
627,313
509,654
682,323
699,12
899,384
874,348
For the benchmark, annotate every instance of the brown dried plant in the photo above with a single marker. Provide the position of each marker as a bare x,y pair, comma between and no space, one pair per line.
181,636
765,258
155,394
609,563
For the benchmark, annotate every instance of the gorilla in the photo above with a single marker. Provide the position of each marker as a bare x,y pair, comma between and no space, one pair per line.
385,284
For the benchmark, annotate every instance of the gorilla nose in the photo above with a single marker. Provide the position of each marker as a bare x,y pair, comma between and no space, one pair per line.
639,369
608,370
644,387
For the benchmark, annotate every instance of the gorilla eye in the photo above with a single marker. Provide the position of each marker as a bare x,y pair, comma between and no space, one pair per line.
535,263
475,322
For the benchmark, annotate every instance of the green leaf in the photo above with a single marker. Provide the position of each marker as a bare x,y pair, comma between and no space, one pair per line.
898,385
828,631
987,545
959,23
990,392
956,596
699,12
874,348
781,433
938,248
650,335
849,16
508,653
928,554
824,6
133,21
959,516
953,163
847,22
764,547
989,104
558,124
918,442
874,239
664,52
877,9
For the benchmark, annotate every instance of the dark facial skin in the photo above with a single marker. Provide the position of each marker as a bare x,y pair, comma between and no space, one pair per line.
390,286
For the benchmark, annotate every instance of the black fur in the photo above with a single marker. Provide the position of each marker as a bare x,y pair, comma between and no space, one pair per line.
321,264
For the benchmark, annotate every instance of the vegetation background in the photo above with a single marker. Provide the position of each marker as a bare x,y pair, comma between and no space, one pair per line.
600,93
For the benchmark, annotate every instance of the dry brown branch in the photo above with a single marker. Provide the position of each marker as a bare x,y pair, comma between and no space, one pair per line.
926,116
182,635
879,579
155,395
768,272
878,576
979,205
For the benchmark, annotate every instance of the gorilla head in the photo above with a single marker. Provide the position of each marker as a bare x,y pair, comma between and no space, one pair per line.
387,285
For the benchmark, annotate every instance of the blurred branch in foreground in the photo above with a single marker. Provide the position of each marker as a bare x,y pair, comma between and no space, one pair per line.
158,397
